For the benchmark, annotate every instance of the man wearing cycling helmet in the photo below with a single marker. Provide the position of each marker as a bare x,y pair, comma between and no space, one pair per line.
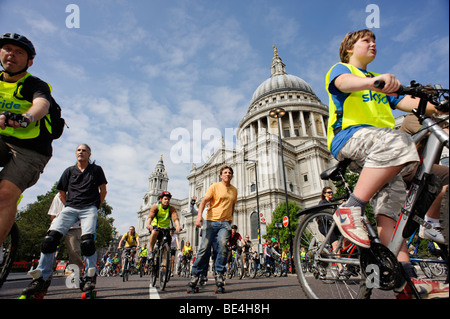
25,145
160,216
232,243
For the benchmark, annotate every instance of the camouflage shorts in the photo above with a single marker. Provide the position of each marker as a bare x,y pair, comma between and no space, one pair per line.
377,147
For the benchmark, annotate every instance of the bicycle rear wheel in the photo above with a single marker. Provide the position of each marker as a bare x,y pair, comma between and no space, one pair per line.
164,266
329,279
10,246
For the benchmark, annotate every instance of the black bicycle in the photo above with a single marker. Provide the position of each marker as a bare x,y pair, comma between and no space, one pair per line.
237,267
160,265
126,269
9,250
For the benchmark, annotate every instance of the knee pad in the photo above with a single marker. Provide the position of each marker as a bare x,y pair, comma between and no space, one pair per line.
88,245
51,241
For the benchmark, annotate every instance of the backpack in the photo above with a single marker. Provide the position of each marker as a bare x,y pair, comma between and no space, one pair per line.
56,121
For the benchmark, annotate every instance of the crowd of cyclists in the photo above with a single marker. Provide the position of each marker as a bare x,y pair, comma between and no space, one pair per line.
272,257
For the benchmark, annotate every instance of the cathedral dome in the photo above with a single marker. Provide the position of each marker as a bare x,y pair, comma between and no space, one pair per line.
280,81
306,115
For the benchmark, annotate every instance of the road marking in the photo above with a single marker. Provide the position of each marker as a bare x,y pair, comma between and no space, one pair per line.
153,293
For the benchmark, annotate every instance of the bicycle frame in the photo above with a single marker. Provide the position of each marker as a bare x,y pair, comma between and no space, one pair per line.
437,138
163,239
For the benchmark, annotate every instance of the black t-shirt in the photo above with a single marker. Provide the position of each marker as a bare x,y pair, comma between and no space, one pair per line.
82,187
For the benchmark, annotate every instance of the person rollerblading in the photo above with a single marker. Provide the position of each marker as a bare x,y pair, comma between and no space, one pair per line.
88,287
37,289
221,198
203,280
193,288
220,283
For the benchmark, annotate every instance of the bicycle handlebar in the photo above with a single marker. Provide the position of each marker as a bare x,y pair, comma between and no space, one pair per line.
437,95
23,121
162,228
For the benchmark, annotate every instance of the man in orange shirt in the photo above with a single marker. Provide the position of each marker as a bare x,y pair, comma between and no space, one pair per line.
221,198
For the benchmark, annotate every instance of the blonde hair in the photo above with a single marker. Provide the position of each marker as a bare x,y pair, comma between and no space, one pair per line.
350,40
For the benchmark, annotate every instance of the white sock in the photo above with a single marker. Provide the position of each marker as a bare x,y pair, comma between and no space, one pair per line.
433,221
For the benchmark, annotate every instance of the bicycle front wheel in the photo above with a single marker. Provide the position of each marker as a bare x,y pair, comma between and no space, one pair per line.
252,269
9,247
240,268
164,266
154,271
125,270
334,275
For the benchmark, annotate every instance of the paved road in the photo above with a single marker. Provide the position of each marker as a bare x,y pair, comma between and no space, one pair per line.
259,289
139,288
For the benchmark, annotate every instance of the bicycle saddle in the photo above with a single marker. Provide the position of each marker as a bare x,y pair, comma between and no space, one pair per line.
334,172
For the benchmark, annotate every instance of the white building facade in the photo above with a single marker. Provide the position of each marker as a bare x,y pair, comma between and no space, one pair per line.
303,130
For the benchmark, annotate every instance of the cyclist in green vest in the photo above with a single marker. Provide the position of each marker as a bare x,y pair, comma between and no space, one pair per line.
143,256
22,132
360,128
160,216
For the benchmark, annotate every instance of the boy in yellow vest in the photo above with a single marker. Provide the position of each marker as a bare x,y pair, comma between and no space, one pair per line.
360,128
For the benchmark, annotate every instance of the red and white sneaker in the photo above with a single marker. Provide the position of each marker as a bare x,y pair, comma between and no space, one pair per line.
427,289
349,222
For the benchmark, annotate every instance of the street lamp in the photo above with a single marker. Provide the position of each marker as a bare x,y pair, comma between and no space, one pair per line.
257,202
278,113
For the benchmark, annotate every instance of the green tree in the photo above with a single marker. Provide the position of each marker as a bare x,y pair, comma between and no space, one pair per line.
105,226
277,217
34,221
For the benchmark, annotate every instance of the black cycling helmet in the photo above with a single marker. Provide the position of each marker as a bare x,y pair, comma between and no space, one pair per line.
20,41
165,193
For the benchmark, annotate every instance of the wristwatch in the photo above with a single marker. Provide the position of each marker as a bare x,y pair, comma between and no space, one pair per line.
30,116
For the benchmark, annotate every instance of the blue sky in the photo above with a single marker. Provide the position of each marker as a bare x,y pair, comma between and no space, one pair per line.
137,72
